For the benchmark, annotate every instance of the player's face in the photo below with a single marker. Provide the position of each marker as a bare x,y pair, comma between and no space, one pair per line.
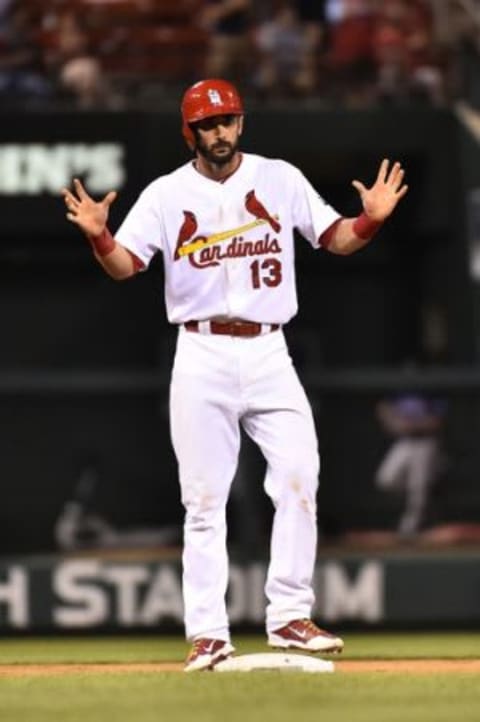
218,137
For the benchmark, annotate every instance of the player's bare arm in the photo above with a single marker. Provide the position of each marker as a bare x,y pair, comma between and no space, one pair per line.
378,202
91,217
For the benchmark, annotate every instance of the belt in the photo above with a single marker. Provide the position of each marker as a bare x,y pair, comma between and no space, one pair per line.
231,328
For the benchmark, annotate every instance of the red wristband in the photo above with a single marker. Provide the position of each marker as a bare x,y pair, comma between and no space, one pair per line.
102,244
138,265
364,227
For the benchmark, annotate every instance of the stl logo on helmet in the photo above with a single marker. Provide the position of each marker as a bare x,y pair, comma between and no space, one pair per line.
214,97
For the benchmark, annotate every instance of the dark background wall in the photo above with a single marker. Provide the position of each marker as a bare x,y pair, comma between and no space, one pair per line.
84,363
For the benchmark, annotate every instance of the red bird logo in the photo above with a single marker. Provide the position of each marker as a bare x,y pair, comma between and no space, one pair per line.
188,228
253,206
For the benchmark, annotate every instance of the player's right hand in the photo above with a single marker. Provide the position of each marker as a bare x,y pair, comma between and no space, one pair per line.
89,215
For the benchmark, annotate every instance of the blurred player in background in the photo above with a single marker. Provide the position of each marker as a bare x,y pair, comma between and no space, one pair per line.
225,223
415,458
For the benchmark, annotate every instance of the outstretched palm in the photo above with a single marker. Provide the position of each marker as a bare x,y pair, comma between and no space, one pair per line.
89,215
380,200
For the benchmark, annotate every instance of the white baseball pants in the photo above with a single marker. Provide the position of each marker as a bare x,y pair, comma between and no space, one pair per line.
219,382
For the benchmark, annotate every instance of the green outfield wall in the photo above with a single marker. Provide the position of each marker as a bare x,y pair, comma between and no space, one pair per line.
52,595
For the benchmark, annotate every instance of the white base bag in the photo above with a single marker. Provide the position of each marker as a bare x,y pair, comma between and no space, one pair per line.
281,662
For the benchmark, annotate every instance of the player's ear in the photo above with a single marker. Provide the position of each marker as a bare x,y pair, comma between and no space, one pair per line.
240,124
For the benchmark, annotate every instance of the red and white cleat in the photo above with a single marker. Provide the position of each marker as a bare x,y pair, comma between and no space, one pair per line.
305,635
206,653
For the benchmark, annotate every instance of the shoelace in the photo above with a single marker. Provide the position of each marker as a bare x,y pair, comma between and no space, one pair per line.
310,625
313,628
200,646
197,645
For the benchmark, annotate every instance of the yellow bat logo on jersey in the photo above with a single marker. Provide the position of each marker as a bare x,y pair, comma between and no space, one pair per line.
219,237
185,246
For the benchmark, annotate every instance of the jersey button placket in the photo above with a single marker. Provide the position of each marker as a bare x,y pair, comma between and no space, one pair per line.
229,285
228,269
218,200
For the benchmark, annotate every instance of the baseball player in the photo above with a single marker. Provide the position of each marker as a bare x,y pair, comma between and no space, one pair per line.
415,460
224,223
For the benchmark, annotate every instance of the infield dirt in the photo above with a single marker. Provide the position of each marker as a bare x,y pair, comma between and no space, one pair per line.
414,666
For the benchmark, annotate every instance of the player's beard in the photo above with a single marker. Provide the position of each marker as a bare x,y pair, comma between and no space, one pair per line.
220,153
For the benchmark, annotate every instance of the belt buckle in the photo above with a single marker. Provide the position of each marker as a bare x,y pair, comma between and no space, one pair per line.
234,328
248,328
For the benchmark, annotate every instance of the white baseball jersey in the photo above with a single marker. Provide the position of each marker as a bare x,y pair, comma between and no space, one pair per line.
228,247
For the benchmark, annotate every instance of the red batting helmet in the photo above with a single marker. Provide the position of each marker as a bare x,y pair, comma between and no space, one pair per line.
206,99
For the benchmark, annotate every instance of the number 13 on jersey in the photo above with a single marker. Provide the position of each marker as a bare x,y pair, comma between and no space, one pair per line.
267,272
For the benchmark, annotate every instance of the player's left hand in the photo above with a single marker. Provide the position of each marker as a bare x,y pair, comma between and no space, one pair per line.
380,200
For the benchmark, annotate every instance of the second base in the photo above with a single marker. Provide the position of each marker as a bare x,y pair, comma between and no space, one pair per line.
272,660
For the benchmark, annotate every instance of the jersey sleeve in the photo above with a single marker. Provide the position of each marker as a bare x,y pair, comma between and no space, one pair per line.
311,215
141,230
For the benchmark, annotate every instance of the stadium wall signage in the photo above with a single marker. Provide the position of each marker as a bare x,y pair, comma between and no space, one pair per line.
48,593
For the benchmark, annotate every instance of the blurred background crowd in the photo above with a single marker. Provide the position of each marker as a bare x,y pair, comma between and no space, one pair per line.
353,53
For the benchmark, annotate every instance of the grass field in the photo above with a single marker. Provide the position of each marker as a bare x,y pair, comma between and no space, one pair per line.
33,690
